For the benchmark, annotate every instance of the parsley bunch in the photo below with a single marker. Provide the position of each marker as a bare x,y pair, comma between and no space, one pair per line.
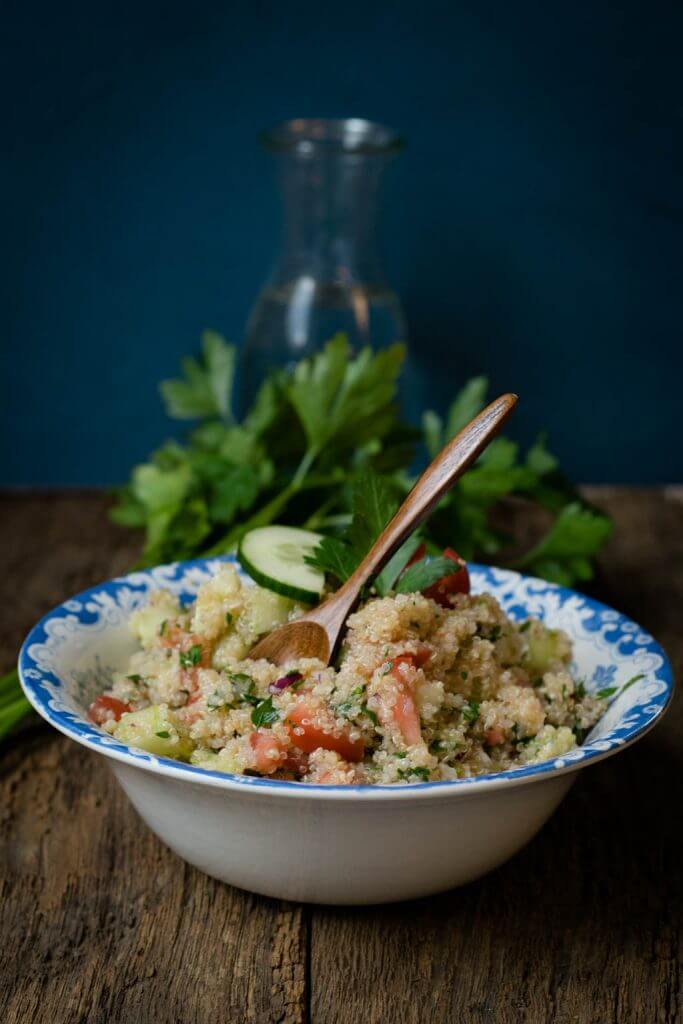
324,447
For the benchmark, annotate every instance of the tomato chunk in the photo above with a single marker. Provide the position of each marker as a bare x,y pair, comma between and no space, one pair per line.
396,704
308,736
104,709
494,737
269,752
456,583
406,715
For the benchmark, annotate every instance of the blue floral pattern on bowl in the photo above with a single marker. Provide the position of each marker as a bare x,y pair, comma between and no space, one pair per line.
68,656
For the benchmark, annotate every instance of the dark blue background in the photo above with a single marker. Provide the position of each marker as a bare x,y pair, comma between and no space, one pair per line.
533,226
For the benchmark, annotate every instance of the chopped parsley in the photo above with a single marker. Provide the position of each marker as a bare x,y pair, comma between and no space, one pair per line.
164,734
408,773
241,677
632,680
470,711
371,714
525,625
163,627
134,678
228,618
436,747
265,714
248,694
191,657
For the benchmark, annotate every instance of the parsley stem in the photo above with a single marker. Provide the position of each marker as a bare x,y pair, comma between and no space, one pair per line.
307,461
13,704
263,517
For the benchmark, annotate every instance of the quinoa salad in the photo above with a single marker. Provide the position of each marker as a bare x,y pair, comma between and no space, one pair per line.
424,688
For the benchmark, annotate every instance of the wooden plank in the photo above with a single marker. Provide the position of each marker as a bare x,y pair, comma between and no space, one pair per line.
100,922
584,925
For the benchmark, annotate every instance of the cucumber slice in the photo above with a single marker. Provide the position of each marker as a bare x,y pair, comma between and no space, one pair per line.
274,558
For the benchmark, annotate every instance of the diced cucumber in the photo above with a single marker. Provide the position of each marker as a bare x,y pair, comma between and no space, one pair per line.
274,558
263,611
544,646
155,730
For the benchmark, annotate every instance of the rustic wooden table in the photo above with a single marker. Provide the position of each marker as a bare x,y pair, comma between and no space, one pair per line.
101,923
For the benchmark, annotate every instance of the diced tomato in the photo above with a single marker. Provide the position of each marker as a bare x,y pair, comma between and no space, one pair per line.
192,640
296,761
417,659
335,776
397,706
309,737
190,684
174,636
457,583
103,709
494,737
406,715
269,751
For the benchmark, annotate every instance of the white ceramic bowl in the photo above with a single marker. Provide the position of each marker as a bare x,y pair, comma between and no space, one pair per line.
335,844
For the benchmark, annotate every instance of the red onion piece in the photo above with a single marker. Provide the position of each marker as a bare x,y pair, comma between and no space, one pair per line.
284,681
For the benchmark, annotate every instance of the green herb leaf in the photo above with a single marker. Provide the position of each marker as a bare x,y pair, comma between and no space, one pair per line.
468,402
371,714
264,714
163,734
396,564
607,692
409,773
566,551
248,695
373,507
632,680
206,389
191,657
470,711
333,556
423,574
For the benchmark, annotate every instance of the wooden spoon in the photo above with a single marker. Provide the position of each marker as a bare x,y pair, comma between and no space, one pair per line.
315,635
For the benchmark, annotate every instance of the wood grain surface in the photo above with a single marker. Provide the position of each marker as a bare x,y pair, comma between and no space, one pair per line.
101,923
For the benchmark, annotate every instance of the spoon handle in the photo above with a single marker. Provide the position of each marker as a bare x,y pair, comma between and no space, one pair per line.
436,480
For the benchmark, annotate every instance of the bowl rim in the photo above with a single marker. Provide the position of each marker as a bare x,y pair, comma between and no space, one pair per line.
77,727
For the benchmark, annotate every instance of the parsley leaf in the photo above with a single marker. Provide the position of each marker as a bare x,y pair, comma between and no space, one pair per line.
408,773
334,557
565,553
423,574
396,564
470,711
373,507
191,657
206,389
470,401
264,714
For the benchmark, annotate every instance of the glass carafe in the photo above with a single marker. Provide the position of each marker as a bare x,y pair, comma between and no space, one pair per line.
328,277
